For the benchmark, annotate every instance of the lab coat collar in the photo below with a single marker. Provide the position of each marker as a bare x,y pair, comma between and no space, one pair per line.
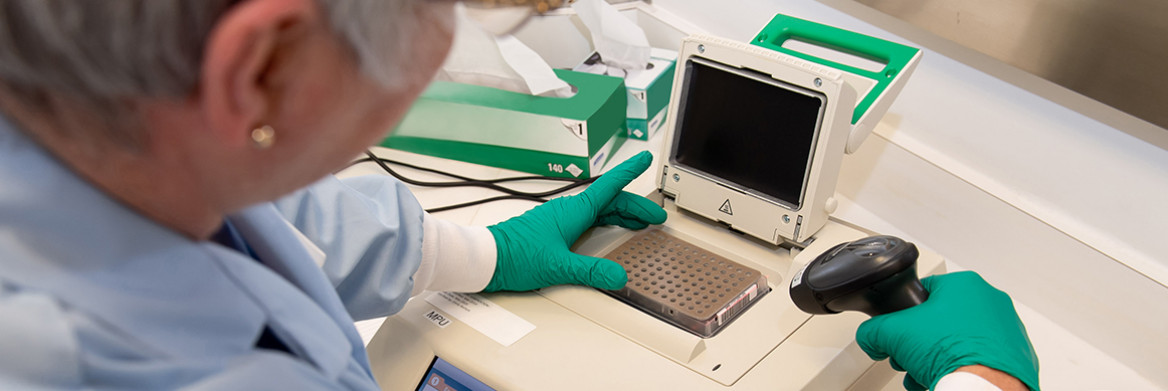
275,242
178,297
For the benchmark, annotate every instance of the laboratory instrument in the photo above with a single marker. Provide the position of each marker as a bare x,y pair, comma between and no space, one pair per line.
753,141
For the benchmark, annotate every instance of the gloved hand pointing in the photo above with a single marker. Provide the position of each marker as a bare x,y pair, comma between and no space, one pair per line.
965,321
533,247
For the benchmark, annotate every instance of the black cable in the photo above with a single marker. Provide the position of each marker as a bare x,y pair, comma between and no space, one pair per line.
460,177
492,184
471,182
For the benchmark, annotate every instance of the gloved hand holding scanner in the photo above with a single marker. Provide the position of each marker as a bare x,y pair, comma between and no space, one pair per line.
930,328
966,325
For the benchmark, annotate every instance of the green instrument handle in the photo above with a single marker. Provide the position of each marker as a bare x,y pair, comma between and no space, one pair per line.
894,56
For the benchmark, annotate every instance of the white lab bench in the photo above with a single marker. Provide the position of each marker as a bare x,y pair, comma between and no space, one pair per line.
990,176
1068,361
583,337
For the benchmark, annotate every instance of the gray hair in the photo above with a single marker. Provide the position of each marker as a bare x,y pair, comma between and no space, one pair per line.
104,53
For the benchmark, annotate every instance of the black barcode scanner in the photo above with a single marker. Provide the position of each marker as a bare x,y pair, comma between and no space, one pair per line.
874,275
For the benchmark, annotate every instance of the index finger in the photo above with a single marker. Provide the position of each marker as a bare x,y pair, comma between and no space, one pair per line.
612,182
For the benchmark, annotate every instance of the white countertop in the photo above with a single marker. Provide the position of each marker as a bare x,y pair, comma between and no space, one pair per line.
1067,362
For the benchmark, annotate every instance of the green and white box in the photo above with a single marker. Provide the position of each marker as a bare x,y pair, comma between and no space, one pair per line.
648,90
561,137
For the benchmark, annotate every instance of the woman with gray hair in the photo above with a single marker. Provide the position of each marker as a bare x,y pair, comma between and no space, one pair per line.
167,214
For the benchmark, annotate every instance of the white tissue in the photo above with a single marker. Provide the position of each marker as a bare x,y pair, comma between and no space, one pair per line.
481,58
620,42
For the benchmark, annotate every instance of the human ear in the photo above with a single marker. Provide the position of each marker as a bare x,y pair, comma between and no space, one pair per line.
233,91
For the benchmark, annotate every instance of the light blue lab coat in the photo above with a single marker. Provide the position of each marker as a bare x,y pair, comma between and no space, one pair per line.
95,296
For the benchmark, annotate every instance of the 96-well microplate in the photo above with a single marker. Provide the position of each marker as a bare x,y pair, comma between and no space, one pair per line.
683,284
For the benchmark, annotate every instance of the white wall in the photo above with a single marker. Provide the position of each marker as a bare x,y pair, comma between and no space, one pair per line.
1063,211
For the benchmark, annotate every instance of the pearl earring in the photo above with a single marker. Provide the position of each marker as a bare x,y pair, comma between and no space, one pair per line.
263,137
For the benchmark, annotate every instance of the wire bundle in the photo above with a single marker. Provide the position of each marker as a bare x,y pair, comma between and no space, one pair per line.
462,181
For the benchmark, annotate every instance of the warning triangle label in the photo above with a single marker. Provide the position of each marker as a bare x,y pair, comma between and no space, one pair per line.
726,208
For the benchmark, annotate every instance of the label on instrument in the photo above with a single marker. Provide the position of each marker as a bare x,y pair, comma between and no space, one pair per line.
437,318
481,314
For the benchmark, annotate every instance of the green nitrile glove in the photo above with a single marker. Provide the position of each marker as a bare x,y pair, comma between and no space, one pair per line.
965,321
533,247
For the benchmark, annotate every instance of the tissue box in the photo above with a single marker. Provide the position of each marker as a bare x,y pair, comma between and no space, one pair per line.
648,91
560,137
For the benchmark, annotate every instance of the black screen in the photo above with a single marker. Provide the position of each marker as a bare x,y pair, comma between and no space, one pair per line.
748,129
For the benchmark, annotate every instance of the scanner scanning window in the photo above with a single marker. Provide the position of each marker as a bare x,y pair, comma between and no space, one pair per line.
747,130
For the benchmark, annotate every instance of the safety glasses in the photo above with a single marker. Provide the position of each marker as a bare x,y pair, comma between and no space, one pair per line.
502,17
